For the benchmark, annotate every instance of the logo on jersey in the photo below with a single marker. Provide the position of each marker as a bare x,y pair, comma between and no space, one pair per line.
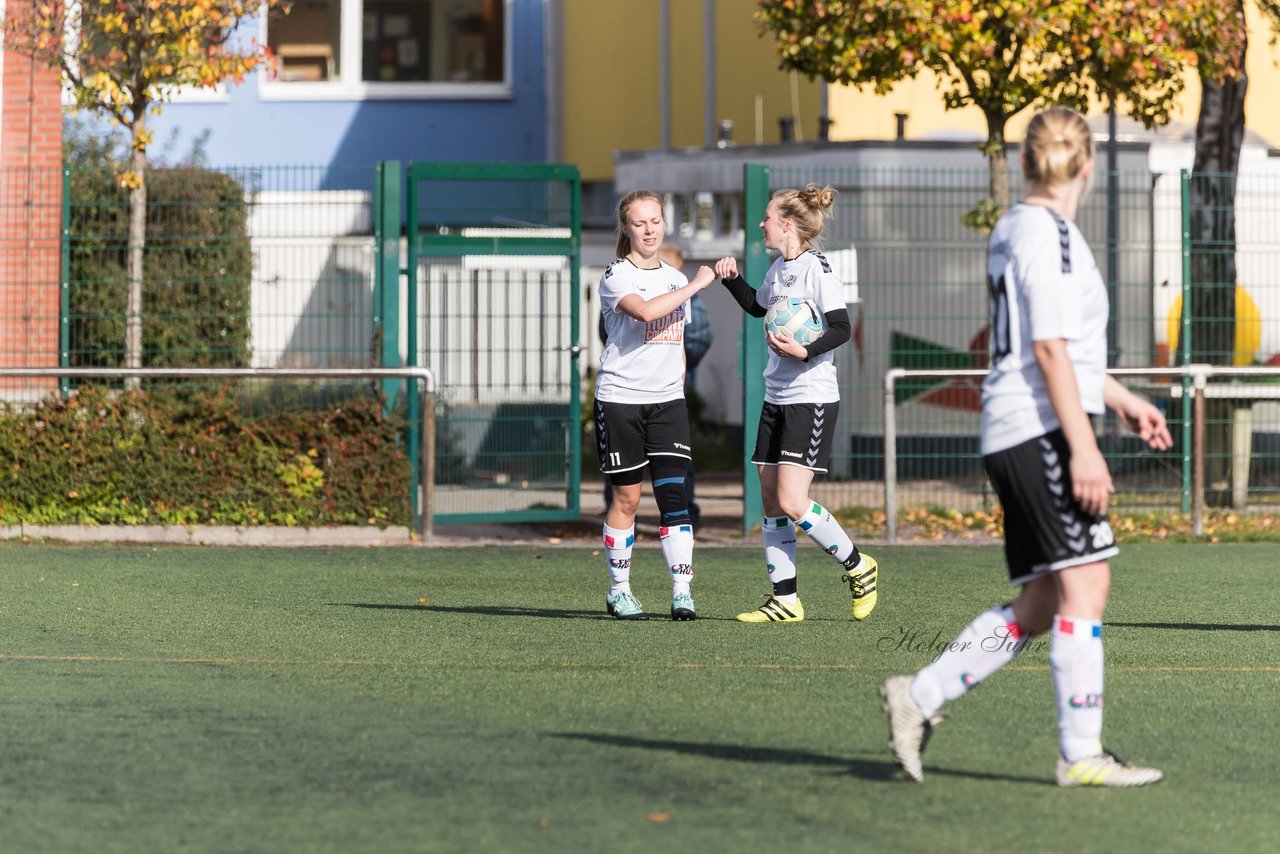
665,330
789,281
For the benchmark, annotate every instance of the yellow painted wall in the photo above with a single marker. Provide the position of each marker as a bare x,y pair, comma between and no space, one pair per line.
612,74
860,114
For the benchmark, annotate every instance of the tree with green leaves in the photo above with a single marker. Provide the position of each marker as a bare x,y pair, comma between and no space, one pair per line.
1002,57
124,59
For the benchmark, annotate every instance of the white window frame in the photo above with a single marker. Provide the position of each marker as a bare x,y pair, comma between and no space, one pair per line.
349,86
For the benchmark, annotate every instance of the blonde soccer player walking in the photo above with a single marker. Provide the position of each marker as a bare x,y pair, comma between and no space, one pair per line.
1048,376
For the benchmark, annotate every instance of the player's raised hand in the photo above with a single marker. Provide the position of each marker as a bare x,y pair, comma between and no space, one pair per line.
727,268
704,277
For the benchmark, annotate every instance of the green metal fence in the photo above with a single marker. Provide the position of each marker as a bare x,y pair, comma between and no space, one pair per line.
301,267
920,275
493,260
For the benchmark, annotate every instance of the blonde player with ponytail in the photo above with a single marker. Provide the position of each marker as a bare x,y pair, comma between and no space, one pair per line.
641,418
1047,378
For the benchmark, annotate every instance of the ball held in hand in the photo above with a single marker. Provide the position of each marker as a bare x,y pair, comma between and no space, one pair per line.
797,319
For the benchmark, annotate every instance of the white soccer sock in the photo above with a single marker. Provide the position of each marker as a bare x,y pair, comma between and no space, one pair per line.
677,548
824,530
780,556
617,557
988,643
1075,657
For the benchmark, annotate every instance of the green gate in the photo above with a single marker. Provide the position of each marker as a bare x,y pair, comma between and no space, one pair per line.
493,299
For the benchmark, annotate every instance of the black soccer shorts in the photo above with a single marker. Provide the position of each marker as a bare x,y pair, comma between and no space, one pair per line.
628,434
1045,528
796,434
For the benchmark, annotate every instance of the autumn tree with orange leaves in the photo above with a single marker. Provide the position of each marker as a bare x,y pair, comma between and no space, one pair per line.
125,59
1004,57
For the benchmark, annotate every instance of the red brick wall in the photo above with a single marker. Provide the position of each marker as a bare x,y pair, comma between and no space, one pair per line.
30,218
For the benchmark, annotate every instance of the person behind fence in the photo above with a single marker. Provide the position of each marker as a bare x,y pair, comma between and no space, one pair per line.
801,401
1047,377
697,341
640,413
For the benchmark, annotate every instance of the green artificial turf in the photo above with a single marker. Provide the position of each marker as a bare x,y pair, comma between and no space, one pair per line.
184,699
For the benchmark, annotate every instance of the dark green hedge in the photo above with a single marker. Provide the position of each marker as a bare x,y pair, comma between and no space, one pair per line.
197,268
170,456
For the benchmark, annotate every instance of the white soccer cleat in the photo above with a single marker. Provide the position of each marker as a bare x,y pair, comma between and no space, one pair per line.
1105,769
909,729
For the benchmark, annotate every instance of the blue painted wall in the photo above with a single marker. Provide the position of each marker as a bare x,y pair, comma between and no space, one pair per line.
245,130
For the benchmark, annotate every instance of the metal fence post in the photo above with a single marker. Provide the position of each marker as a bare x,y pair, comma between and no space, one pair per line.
64,280
1197,431
890,457
573,497
754,354
426,513
386,283
1184,340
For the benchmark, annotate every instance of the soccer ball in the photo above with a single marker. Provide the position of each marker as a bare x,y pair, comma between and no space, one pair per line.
797,319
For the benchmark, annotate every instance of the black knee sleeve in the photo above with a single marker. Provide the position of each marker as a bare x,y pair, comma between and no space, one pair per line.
668,491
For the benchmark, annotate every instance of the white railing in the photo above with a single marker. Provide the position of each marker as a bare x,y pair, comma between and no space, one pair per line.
423,377
1198,376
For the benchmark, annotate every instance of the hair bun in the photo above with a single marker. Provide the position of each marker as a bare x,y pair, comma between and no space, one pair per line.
817,197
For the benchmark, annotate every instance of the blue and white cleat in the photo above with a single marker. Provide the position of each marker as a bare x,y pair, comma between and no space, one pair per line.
682,607
624,606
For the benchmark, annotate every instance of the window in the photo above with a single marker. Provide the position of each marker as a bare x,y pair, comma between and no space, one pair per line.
390,48
305,42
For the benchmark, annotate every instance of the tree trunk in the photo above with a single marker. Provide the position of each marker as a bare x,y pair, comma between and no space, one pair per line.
136,247
983,217
1219,134
997,151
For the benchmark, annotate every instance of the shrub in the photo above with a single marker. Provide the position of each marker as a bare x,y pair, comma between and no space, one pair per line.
194,456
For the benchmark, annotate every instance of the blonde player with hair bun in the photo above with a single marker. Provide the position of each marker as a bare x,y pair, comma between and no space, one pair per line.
802,399
1047,378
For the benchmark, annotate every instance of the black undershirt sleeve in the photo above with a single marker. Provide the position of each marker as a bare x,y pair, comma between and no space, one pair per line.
837,333
746,297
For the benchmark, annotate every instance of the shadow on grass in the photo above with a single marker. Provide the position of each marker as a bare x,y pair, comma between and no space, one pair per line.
867,769
484,610
519,611
1200,627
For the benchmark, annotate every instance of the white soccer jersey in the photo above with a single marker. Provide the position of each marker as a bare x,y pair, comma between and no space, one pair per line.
642,362
1044,284
787,380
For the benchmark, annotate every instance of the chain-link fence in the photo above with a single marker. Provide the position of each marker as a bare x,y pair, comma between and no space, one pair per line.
923,304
